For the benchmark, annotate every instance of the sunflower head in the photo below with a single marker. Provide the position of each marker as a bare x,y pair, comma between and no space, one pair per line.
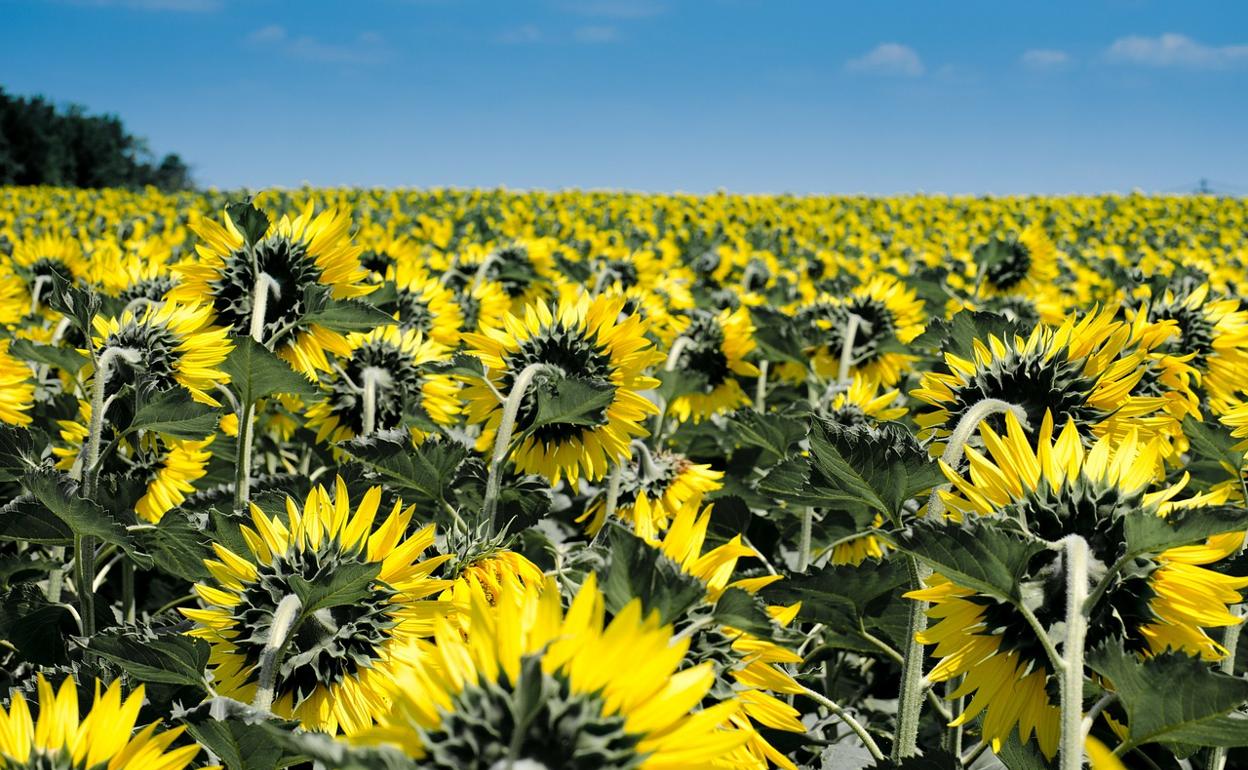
1017,265
336,658
296,263
581,339
17,388
653,487
713,346
586,706
61,738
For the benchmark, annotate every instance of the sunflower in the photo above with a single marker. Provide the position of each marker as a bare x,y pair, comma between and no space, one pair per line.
584,340
17,389
37,258
1055,488
427,306
1081,371
1209,334
653,487
483,306
395,359
304,256
862,403
1023,265
594,696
888,316
753,662
524,269
177,343
713,346
62,740
337,661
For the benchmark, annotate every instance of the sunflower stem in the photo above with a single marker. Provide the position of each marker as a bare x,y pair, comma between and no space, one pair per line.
127,590
847,348
502,442
910,699
84,581
613,488
372,377
962,432
760,388
264,286
283,623
260,304
803,543
1230,641
848,719
1076,551
36,290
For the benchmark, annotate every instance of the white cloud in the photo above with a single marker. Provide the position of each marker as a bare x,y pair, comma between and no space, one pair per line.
1045,59
522,35
365,48
596,34
888,59
1174,50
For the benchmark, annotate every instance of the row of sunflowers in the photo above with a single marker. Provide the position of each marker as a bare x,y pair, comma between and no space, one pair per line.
481,479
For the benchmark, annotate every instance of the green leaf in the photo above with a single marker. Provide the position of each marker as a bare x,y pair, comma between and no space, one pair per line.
846,598
776,435
983,554
256,373
638,570
776,336
175,414
350,583
19,451
349,315
168,658
25,520
461,365
1146,533
742,611
429,470
569,401
37,629
238,745
958,334
66,359
250,220
177,544
1213,452
1174,698
60,495
680,382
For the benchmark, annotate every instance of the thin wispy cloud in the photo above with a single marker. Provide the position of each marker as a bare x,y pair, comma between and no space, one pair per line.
525,34
1045,59
596,35
1175,50
364,48
888,59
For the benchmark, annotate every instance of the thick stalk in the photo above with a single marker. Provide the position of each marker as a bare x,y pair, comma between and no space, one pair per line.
1076,632
264,286
910,699
502,442
1230,640
803,543
373,377
127,590
84,582
613,488
283,623
847,348
760,388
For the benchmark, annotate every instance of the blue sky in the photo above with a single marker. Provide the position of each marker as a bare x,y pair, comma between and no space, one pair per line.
696,95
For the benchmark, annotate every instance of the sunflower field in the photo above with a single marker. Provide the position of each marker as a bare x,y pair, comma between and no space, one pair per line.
529,481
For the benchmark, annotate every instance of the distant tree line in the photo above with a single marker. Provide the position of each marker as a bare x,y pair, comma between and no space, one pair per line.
41,144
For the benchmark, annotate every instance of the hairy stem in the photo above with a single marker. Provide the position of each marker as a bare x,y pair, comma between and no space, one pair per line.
264,286
847,348
1076,551
910,699
1230,640
760,388
837,710
803,543
372,377
283,623
502,442
966,427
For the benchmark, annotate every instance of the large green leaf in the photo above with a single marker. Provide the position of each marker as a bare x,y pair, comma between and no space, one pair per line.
1213,454
177,544
37,630
429,470
60,495
1147,533
168,658
175,414
846,599
742,611
250,220
236,736
348,315
569,401
775,434
25,520
987,555
638,570
776,336
256,373
350,583
64,358
1174,698
958,334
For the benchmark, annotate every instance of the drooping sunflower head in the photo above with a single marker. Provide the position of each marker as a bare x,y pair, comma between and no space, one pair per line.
863,404
337,659
17,388
483,305
713,346
35,259
588,702
177,345
653,487
523,269
1081,371
1017,265
307,256
395,362
144,274
581,339
425,305
61,738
